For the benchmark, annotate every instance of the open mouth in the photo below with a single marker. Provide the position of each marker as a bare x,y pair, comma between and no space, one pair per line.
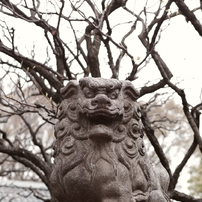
102,112
102,123
105,117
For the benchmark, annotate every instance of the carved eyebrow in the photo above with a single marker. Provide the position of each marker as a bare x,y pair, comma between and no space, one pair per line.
114,85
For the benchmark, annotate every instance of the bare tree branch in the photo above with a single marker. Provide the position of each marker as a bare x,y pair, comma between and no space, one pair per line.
179,168
183,197
154,141
29,156
189,15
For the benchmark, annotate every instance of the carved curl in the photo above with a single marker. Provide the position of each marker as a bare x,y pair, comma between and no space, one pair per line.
99,150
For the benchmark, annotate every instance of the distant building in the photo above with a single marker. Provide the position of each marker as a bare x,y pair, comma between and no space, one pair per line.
22,191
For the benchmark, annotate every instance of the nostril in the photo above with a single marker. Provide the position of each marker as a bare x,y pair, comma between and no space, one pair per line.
109,103
94,102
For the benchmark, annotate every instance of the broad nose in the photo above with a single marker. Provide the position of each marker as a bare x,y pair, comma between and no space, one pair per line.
101,100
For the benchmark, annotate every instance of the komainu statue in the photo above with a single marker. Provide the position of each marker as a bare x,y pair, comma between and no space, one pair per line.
99,150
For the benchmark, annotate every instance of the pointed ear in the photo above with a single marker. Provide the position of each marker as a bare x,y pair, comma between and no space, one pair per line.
70,89
130,91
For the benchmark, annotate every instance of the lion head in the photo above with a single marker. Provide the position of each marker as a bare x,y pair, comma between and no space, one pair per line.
98,108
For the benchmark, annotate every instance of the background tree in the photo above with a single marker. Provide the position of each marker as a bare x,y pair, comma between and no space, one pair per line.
44,44
196,180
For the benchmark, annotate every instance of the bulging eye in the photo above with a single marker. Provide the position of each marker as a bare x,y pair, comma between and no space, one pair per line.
113,94
89,93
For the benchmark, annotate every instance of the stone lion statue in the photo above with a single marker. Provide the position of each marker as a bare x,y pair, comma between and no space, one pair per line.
99,151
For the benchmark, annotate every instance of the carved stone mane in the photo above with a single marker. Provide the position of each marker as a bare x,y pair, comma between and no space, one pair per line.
99,150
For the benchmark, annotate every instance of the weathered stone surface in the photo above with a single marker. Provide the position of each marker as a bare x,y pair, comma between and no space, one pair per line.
99,150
